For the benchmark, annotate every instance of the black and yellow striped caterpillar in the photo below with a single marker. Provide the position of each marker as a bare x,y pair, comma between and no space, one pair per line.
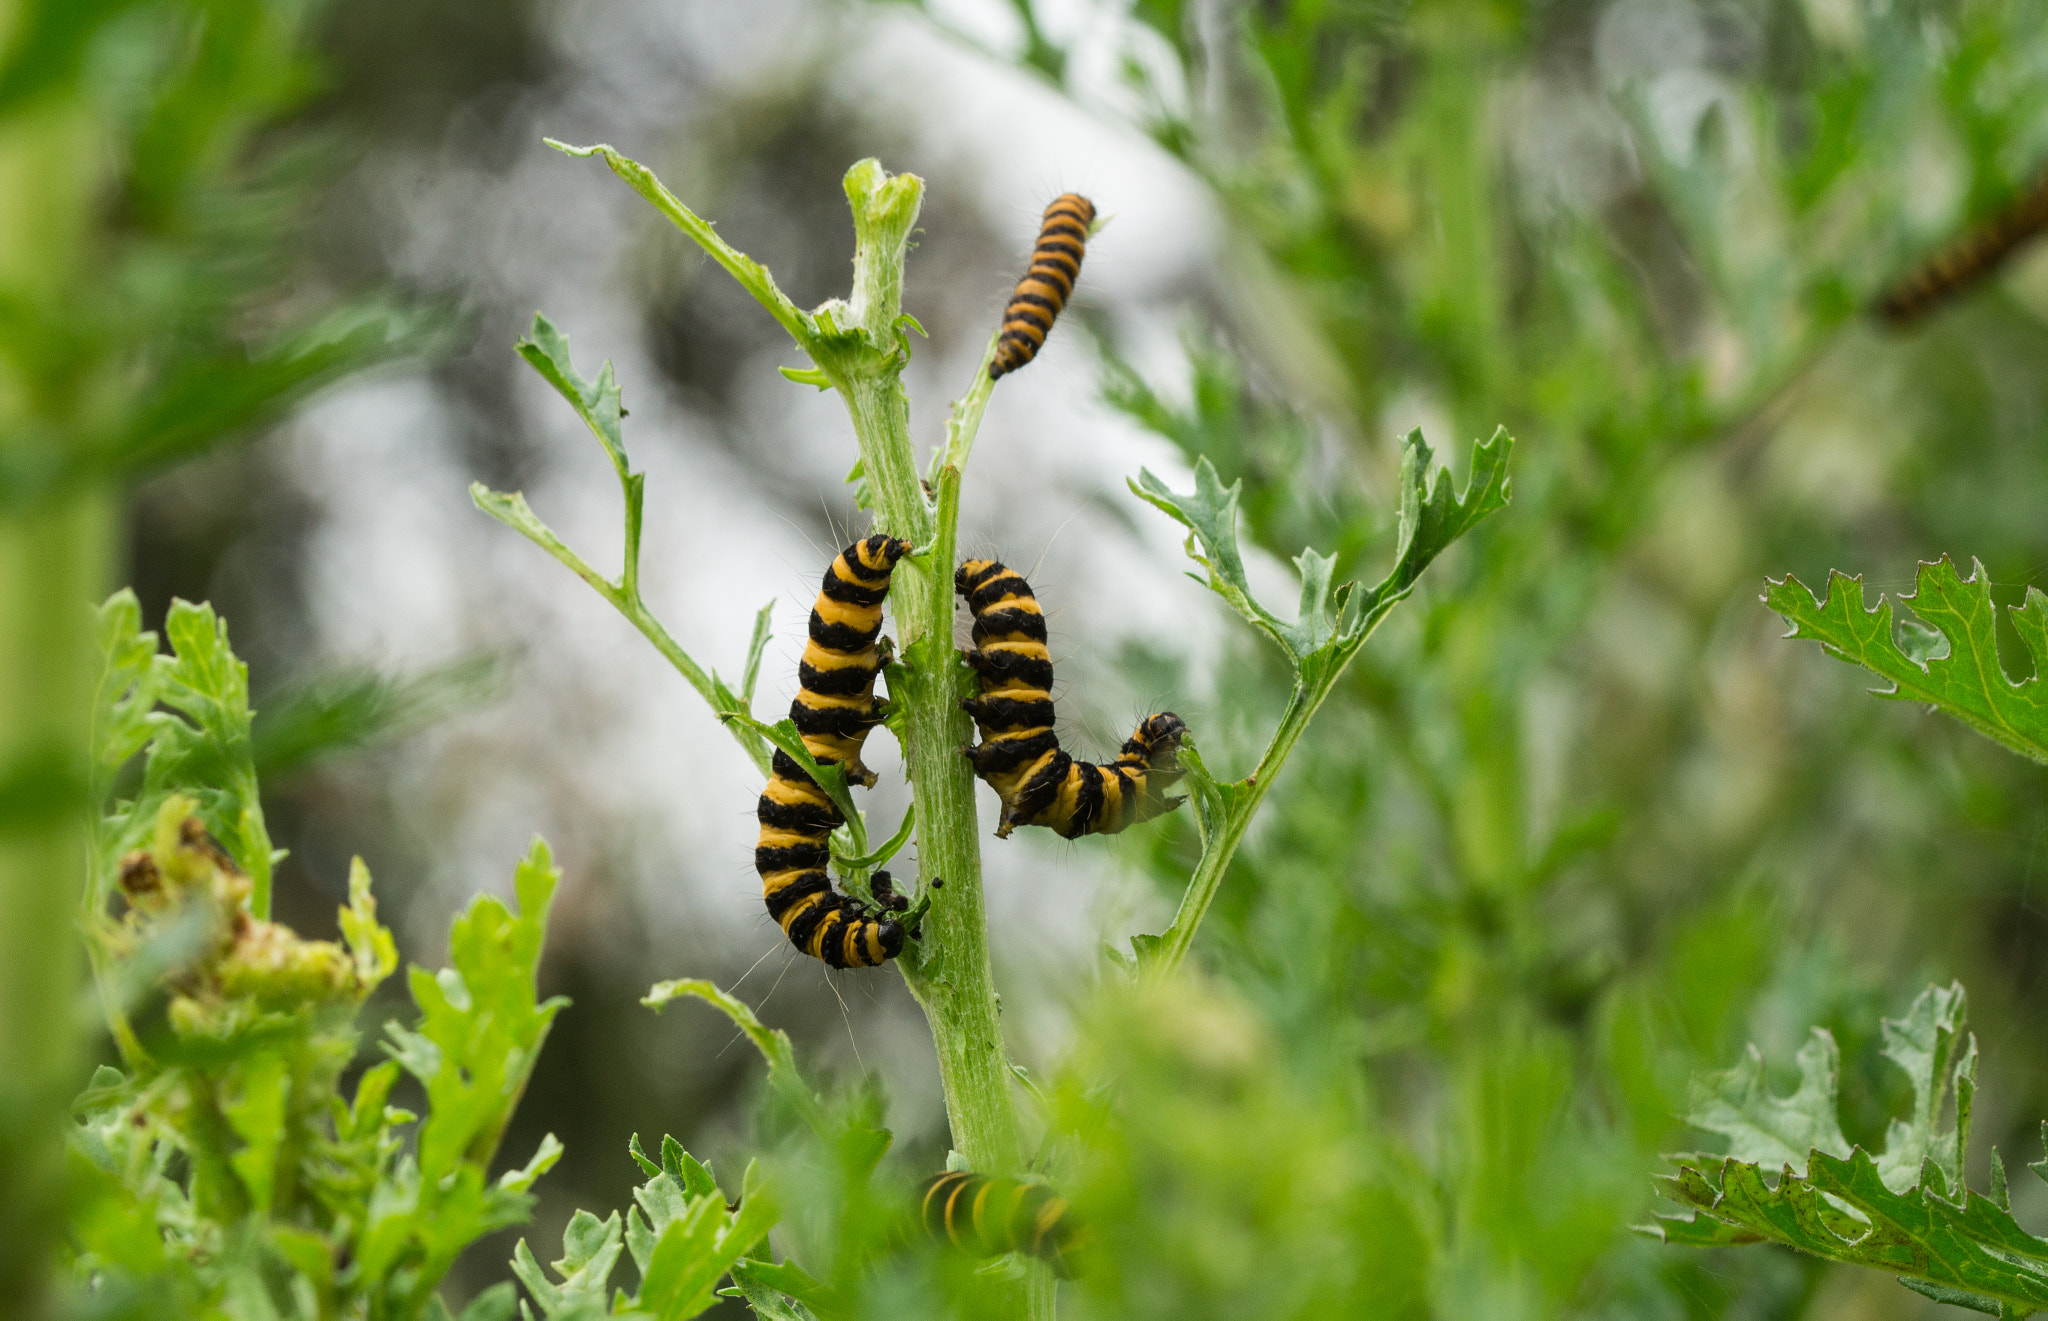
1019,754
988,1216
1968,259
834,709
1047,285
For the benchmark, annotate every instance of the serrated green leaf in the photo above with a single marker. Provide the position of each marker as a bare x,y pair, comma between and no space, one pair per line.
1906,1213
1209,512
200,748
1940,1059
596,402
1769,1130
1965,679
590,1251
369,941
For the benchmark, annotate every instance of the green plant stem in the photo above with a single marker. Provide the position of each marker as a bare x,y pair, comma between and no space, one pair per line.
953,980
624,596
1221,847
53,562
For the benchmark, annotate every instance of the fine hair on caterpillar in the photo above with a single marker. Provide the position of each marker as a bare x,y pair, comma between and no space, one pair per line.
1019,755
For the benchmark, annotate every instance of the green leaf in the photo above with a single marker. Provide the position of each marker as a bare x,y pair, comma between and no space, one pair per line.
1332,621
127,689
752,276
1771,1130
480,1031
206,755
773,1043
590,1251
832,779
755,646
787,1284
1210,514
765,1300
369,941
500,1302
697,1247
1906,1213
596,402
1965,679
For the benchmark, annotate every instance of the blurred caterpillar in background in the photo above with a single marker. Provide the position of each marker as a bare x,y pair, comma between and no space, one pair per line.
1047,285
988,1216
1968,259
1019,754
834,710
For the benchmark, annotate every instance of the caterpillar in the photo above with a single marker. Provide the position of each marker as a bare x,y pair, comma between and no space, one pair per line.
1019,754
988,1216
834,709
1047,285
1968,259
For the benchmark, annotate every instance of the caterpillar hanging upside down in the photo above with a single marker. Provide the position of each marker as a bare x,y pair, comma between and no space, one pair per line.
834,709
987,1216
1043,292
1019,754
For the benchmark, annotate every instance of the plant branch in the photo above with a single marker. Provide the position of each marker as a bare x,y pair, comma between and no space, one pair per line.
1331,626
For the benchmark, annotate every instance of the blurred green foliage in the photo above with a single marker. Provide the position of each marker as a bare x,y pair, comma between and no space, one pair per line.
149,217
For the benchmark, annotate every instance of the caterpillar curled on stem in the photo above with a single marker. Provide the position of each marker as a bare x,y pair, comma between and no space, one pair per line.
834,709
1047,285
1019,754
986,1216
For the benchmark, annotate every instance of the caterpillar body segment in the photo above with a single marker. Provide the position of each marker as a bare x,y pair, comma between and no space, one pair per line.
835,703
793,854
1019,755
1955,267
833,712
986,1216
1043,292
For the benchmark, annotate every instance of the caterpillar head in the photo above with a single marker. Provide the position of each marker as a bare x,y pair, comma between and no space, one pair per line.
879,553
969,573
1161,734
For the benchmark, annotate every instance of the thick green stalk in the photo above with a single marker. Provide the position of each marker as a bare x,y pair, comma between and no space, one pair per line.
952,980
53,562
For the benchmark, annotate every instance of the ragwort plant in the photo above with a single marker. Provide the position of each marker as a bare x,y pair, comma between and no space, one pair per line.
223,1169
858,347
147,229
